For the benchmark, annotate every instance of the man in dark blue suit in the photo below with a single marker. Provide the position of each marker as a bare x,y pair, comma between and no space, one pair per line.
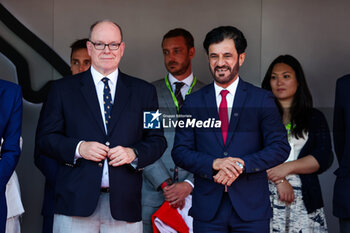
229,162
341,124
92,124
10,131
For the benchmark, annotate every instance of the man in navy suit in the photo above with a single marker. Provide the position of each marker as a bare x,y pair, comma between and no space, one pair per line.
10,131
92,124
341,124
229,162
80,61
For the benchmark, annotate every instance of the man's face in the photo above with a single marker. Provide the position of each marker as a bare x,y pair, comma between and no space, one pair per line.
105,61
177,57
224,62
80,61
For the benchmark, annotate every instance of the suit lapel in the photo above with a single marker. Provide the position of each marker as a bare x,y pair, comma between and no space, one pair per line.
88,91
121,99
237,107
210,101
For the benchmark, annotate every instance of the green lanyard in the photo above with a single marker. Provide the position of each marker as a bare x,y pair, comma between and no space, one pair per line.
173,95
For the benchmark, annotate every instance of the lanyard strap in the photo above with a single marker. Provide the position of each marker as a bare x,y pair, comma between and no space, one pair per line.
172,93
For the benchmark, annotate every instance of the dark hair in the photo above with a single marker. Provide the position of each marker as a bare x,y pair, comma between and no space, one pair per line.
78,44
226,32
301,108
102,21
180,32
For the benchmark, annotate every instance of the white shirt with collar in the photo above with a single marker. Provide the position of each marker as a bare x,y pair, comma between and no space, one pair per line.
229,97
187,81
99,85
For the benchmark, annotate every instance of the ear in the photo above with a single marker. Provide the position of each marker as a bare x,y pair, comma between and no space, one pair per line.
89,47
122,47
191,52
241,59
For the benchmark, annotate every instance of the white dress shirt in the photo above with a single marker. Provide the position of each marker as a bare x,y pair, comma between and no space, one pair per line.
99,85
230,97
187,81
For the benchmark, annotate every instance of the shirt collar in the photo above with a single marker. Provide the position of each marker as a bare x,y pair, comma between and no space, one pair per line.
187,81
232,88
97,76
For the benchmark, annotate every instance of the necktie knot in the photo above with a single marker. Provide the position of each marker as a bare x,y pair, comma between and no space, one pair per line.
224,93
178,95
105,80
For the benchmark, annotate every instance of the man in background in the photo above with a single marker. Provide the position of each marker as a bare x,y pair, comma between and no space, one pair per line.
80,61
163,180
79,58
341,136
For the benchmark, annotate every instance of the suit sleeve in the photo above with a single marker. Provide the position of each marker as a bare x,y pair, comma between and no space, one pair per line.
322,147
10,149
339,122
276,147
185,153
50,136
153,143
156,173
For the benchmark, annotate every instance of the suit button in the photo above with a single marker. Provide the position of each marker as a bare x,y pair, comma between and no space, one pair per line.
107,143
100,164
171,169
225,153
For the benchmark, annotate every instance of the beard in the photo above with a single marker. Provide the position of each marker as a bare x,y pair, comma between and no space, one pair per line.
221,79
179,70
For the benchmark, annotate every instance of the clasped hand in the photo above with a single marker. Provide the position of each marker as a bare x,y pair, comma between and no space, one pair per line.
228,170
97,152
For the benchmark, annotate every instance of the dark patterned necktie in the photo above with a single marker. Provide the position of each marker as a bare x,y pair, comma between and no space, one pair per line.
107,101
178,95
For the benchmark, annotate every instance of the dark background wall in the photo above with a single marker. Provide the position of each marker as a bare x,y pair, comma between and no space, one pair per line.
315,32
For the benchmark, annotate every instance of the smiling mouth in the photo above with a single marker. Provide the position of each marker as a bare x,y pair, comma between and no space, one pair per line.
222,69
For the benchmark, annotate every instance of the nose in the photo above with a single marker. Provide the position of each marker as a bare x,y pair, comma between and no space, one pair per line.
279,81
220,61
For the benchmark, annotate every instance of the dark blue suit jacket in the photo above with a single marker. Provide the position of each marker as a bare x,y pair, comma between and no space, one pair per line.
256,134
341,128
10,131
72,114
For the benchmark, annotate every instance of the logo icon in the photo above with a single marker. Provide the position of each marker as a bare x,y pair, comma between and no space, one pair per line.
151,120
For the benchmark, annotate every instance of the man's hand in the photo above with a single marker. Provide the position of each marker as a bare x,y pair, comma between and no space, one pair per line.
285,191
121,155
224,179
93,151
229,166
278,173
176,193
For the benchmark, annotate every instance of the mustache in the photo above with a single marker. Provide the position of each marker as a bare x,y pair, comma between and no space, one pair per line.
172,63
222,67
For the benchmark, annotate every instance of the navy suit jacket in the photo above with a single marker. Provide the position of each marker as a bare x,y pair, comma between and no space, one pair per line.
256,135
10,131
72,114
341,130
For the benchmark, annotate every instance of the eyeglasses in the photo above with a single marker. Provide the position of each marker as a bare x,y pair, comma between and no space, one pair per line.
101,46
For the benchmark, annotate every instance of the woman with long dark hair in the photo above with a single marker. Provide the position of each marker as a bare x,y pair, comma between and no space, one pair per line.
295,190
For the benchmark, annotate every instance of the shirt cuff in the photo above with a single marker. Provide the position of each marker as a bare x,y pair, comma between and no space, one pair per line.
77,154
188,181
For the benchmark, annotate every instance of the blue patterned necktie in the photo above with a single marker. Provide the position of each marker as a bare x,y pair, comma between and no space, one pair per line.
107,101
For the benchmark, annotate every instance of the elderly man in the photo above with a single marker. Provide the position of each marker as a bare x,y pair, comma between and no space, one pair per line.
92,125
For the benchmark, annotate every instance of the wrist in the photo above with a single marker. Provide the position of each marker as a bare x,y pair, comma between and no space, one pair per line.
166,183
280,181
